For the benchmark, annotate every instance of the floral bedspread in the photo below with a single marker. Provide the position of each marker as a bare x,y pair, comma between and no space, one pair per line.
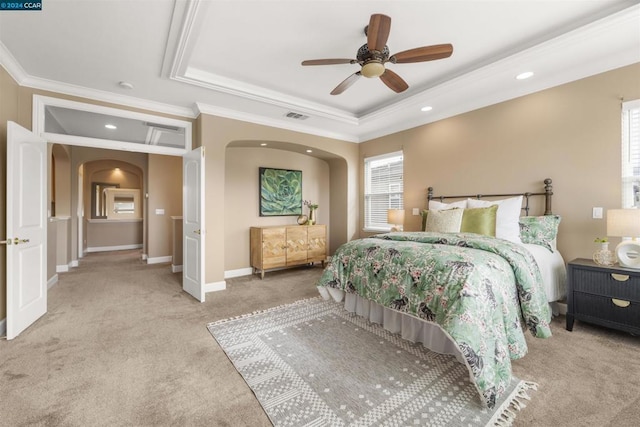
481,290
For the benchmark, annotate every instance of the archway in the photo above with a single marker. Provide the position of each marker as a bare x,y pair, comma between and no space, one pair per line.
112,206
324,180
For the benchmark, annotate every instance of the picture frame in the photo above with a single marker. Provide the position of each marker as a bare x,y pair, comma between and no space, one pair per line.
280,192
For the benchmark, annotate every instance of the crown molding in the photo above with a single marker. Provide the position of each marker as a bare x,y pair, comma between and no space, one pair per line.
180,46
104,96
15,70
255,93
9,63
202,108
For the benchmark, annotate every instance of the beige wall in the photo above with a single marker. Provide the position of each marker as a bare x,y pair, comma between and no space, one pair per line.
215,133
103,234
165,192
569,133
242,191
61,185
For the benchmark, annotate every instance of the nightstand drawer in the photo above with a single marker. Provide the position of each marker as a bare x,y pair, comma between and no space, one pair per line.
599,307
602,283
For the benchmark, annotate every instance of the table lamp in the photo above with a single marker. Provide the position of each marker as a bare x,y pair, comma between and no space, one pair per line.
625,223
395,217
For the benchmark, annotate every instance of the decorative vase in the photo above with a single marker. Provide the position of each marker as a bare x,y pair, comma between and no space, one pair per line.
604,256
312,217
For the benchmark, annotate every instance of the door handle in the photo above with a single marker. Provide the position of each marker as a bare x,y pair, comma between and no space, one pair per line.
15,241
197,231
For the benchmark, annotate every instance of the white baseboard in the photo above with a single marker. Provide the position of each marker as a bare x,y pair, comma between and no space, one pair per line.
559,307
144,257
176,268
62,268
237,273
3,327
74,263
52,281
114,248
159,259
215,286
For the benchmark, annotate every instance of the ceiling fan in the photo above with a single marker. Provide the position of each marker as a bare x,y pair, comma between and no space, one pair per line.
374,54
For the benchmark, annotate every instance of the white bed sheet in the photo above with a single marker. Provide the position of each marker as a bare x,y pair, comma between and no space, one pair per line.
431,335
553,270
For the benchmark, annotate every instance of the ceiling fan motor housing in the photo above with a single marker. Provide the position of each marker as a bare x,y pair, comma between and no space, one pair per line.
364,54
372,62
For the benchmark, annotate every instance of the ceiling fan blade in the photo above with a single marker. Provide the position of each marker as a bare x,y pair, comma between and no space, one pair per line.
346,83
394,81
378,32
421,54
328,61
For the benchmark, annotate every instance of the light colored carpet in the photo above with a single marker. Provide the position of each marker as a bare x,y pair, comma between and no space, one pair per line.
312,363
123,345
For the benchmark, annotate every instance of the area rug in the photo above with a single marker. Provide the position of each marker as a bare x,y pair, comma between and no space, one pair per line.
311,363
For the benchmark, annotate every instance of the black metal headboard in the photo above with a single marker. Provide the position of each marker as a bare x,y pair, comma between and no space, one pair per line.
548,192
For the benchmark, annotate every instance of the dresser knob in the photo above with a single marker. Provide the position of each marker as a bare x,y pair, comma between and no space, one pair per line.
620,277
620,302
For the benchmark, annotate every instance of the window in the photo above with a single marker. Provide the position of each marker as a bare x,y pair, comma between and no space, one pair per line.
631,154
383,189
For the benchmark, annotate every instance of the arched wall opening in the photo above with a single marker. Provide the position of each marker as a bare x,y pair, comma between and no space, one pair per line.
324,182
102,232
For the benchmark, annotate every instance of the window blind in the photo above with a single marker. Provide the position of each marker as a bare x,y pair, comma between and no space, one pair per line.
383,176
631,154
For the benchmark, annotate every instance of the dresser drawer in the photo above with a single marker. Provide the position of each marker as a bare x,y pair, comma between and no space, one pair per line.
600,307
602,283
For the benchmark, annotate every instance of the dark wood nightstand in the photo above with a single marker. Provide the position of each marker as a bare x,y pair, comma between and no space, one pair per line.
606,296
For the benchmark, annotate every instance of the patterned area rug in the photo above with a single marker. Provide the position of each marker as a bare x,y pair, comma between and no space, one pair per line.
311,363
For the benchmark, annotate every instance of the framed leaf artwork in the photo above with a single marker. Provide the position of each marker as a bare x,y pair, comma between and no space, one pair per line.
280,192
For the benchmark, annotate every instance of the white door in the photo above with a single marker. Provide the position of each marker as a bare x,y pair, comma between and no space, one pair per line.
193,223
26,229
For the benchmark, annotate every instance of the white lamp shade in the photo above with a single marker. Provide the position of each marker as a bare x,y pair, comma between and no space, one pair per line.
395,216
623,222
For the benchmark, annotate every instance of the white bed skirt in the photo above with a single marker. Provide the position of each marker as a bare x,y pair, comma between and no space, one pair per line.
431,335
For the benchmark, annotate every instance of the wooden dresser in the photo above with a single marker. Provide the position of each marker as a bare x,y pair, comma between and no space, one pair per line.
287,246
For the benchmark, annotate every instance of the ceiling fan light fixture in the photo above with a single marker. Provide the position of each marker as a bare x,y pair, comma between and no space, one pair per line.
372,69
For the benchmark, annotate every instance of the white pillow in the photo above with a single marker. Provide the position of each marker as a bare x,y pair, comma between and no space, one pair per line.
439,206
444,221
507,217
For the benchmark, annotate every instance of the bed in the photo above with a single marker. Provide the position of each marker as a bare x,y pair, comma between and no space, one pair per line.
470,284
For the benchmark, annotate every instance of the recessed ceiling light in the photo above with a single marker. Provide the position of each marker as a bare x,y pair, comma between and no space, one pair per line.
264,144
524,75
309,151
426,108
110,126
126,85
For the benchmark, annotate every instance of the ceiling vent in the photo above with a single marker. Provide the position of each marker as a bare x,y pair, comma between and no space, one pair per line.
296,116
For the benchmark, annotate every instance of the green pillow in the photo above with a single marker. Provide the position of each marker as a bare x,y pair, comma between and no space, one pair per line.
424,214
480,221
540,230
